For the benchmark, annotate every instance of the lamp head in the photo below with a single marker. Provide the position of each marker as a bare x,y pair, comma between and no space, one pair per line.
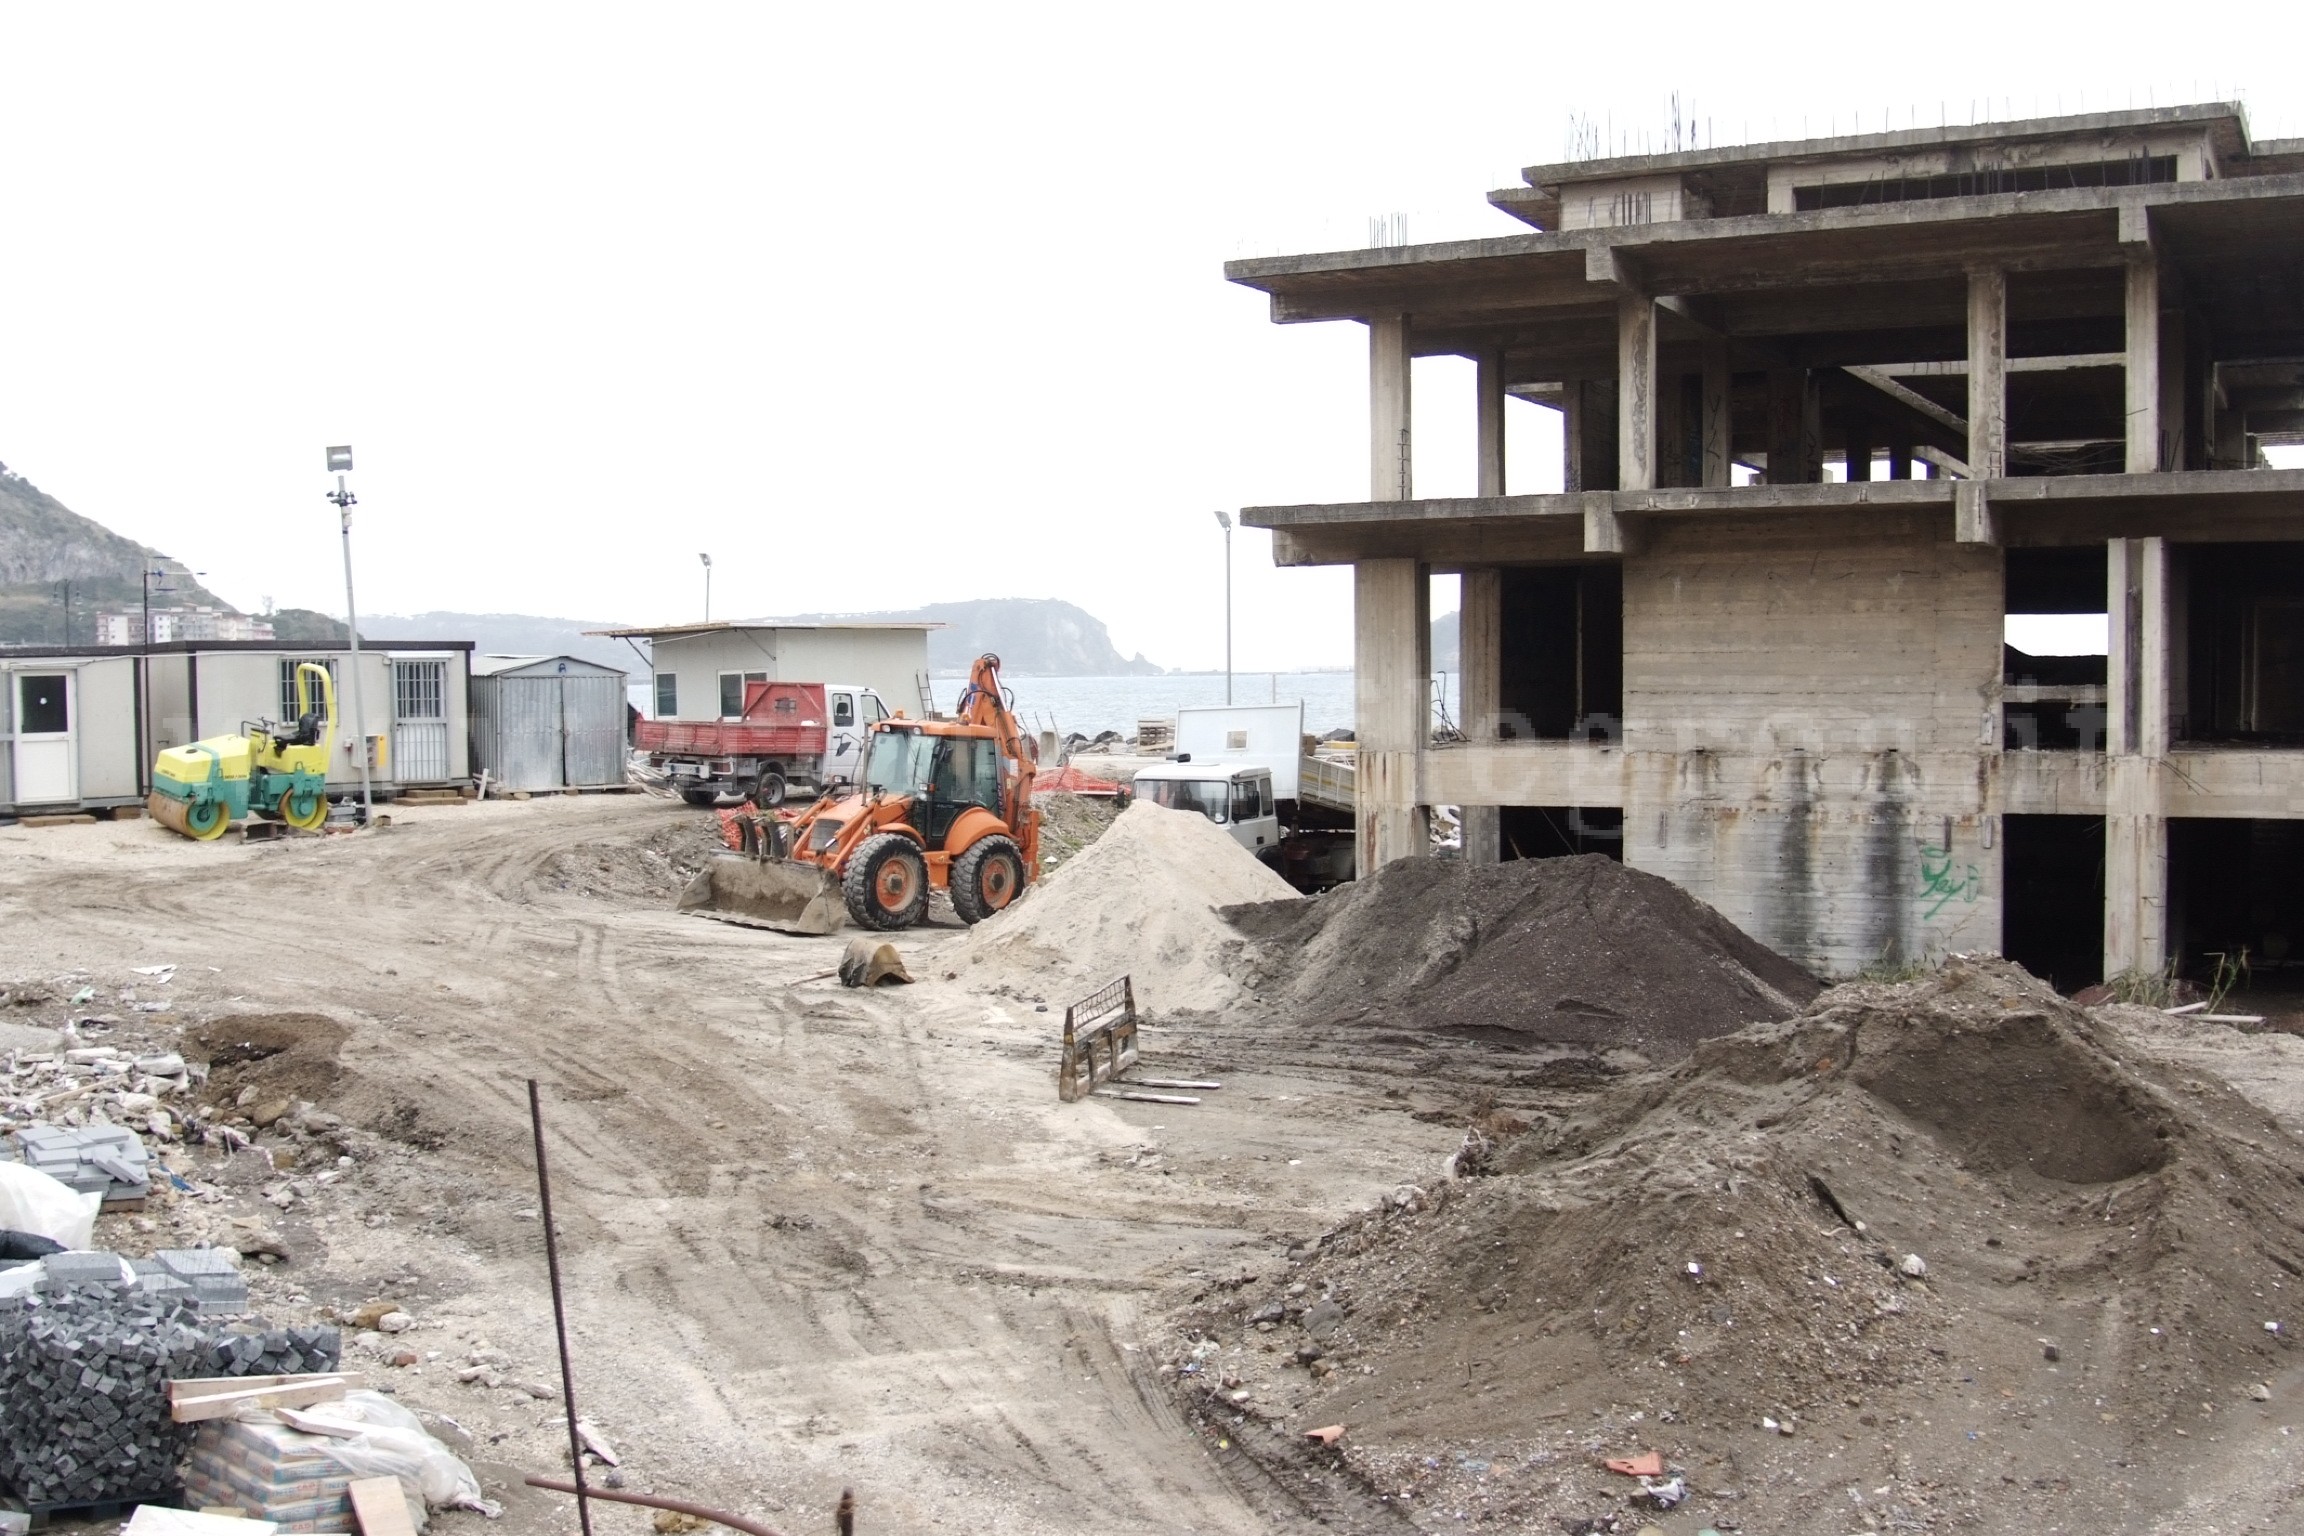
1225,519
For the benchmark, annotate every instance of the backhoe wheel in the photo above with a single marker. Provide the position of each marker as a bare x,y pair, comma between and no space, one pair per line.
769,792
304,808
986,878
887,882
701,798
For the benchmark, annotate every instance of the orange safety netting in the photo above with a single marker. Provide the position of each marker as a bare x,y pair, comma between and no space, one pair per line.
1069,780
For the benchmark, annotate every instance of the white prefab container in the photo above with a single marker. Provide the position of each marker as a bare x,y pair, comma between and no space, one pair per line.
1266,735
548,722
79,728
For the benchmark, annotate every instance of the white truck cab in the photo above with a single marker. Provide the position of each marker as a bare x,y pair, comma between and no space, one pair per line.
1235,796
851,710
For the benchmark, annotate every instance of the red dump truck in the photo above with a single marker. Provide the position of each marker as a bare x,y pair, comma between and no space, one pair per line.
789,734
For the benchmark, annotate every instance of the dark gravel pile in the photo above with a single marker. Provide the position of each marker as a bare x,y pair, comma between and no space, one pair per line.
1571,951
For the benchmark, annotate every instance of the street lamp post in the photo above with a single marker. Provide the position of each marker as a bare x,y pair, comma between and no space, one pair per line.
1226,520
707,559
340,460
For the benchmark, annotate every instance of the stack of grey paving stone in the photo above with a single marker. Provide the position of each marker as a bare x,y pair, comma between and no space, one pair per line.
85,1367
107,1160
208,1278
84,1395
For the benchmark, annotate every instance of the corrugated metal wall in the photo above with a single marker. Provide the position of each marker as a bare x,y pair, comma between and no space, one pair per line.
550,732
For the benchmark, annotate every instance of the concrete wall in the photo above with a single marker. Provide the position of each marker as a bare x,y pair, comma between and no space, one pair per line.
887,660
1806,721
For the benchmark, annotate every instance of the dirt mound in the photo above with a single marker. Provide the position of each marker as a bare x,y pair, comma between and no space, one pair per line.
261,1063
1140,901
651,870
1069,823
1944,1214
1574,950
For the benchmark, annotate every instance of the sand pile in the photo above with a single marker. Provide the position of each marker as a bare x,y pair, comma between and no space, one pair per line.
1141,901
1956,1215
1576,950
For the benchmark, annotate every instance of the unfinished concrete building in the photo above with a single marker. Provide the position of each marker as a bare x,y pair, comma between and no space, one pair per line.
1833,409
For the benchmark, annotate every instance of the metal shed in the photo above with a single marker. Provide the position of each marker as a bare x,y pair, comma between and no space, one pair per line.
548,722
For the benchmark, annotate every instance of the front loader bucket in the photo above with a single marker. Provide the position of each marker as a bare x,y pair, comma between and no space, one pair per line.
766,893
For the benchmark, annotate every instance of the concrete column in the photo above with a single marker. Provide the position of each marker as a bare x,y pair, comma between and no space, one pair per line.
1480,636
1792,445
1489,387
1717,447
1900,453
2135,825
1859,446
1988,374
2173,449
2143,369
1635,393
1391,654
1390,461
1572,435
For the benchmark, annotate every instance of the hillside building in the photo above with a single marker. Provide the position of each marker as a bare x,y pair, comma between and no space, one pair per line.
1833,410
170,625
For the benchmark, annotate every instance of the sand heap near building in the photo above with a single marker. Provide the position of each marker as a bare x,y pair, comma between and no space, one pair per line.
1573,950
1140,901
1958,1215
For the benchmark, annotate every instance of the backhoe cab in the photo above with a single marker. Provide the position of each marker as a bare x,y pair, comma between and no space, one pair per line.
942,805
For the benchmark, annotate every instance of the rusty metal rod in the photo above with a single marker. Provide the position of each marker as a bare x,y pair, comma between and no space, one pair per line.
559,1313
679,1506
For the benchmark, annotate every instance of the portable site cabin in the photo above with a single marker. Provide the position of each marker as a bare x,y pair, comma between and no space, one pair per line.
548,722
700,670
79,727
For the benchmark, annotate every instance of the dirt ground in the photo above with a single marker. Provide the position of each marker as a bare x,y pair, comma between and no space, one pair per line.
817,1239
813,1238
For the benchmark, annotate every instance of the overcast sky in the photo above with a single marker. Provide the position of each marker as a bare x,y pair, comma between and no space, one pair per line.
879,305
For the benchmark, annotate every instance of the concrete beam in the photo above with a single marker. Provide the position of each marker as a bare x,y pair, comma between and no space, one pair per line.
1605,531
1391,645
1988,373
1636,393
1391,459
1972,514
1488,385
2141,361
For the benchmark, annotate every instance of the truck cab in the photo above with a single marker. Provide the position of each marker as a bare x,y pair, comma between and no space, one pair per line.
851,710
1236,796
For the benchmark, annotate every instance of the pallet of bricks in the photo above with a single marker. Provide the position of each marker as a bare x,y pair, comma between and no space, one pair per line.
86,1422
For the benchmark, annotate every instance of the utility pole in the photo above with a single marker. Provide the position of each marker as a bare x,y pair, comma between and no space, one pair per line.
1226,521
707,559
340,460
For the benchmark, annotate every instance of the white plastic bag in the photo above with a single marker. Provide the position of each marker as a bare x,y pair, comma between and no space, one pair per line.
392,1442
31,1201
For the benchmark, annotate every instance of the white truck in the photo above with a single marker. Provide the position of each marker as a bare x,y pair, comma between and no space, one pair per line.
1241,766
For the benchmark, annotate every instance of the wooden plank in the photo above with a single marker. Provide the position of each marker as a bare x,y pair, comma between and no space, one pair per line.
74,819
1171,1082
380,1507
193,1407
1144,1098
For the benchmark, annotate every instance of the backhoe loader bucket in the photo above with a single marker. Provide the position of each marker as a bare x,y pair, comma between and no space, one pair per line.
766,893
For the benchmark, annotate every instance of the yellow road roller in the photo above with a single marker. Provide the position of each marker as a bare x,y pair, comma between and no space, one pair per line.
270,770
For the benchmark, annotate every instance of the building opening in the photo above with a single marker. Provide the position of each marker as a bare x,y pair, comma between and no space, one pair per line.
1555,831
2053,679
2238,613
2052,913
2234,902
1561,672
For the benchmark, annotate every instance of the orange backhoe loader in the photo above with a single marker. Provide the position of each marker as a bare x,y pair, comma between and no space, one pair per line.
942,805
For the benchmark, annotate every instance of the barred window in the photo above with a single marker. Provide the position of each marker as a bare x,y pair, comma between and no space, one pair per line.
288,666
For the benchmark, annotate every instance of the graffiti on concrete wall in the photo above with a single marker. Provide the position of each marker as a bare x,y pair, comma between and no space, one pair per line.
1943,882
